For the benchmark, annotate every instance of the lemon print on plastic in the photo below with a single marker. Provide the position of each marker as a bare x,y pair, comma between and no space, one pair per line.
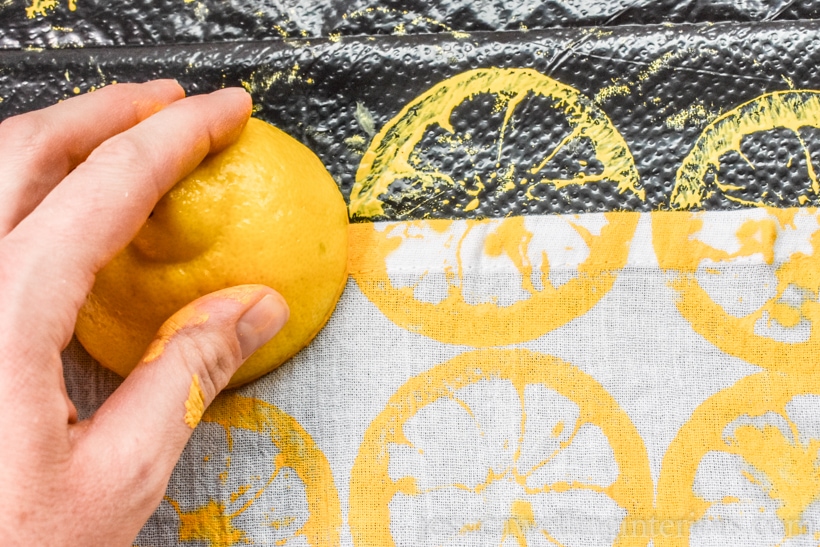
493,281
264,210
500,448
275,486
470,118
747,280
787,117
745,469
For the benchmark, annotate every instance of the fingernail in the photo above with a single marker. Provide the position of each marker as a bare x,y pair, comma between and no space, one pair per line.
238,91
261,323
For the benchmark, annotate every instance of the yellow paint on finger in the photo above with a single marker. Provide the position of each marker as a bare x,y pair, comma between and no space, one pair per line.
195,405
185,318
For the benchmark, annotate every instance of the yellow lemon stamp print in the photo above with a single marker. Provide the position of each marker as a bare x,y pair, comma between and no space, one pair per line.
282,490
500,447
409,166
724,140
491,281
747,279
745,469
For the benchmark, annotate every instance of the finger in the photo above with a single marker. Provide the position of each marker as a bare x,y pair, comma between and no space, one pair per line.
101,205
146,423
38,149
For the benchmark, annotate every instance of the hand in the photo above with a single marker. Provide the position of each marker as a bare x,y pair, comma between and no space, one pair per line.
77,181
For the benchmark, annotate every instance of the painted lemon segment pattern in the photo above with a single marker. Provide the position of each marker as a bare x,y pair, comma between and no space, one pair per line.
288,500
404,161
748,281
796,112
745,469
489,282
501,447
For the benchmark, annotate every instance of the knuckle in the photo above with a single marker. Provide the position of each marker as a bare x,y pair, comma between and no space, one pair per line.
25,132
123,151
209,355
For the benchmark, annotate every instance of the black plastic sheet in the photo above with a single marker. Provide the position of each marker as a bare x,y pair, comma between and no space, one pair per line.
660,87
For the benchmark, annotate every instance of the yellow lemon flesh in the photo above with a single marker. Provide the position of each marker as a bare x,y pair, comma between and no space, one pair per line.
264,211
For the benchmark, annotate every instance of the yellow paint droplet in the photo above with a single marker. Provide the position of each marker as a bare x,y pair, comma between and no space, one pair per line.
195,405
76,90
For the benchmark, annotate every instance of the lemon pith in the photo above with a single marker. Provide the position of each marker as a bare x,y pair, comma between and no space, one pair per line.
262,211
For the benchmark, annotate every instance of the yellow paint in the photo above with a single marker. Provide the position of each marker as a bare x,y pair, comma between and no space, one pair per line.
454,320
297,452
614,90
658,64
520,522
372,489
681,253
40,7
696,115
208,523
262,80
414,18
334,36
187,317
195,405
782,109
76,90
393,153
790,466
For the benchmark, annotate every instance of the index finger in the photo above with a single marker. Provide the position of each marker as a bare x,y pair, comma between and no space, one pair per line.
39,148
49,260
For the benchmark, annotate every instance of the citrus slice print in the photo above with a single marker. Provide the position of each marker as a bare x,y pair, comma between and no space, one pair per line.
797,113
283,492
745,468
456,146
747,280
490,282
500,447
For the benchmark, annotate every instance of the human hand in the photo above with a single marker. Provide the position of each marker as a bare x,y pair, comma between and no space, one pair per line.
77,181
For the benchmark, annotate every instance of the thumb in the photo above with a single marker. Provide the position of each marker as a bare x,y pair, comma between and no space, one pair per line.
150,417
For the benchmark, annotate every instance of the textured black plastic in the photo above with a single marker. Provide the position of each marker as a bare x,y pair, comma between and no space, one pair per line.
333,94
92,23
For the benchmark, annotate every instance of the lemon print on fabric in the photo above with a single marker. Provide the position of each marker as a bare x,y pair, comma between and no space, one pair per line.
500,447
457,148
490,282
500,280
760,153
745,469
275,486
747,280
